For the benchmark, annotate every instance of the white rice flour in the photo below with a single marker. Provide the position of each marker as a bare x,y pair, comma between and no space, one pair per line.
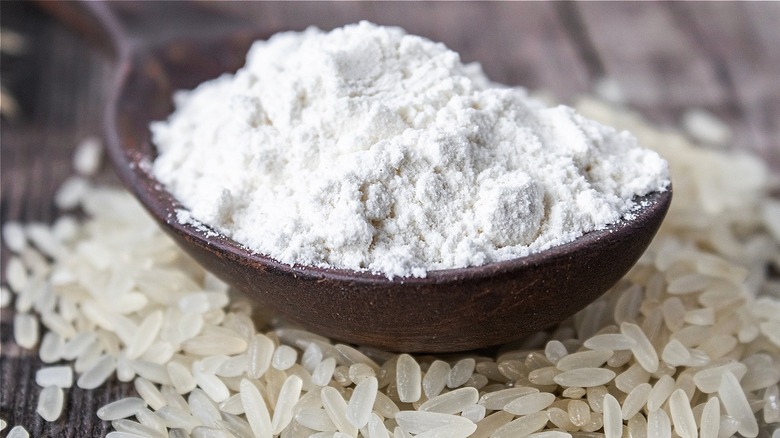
369,149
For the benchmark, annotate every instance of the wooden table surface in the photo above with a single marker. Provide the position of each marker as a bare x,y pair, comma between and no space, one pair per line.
666,57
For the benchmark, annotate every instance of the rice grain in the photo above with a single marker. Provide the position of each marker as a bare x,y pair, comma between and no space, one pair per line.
585,377
682,415
123,408
408,379
417,422
452,402
288,397
612,417
50,402
256,410
436,378
18,432
25,330
336,408
59,376
98,373
736,405
658,424
528,404
522,426
362,402
643,350
461,372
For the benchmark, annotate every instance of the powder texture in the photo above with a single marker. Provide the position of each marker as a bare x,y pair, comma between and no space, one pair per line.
370,149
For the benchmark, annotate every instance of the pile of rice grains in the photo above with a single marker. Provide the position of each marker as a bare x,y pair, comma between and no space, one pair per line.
687,344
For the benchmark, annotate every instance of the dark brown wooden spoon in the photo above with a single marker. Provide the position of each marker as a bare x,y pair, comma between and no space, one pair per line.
449,310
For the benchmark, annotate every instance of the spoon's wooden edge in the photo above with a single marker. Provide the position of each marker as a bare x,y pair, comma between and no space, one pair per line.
360,307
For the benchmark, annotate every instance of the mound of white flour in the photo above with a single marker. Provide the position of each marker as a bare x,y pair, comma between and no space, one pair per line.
370,149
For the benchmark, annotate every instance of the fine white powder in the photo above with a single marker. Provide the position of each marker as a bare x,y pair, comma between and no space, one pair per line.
369,149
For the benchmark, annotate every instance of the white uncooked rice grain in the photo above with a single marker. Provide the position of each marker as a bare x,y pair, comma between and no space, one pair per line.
528,404
498,399
710,418
123,408
376,428
205,345
584,359
351,356
579,413
452,402
522,426
261,350
584,377
474,412
612,417
661,391
284,357
609,341
50,402
449,431
385,406
336,408
256,409
88,156
682,415
181,377
315,419
705,127
362,402
461,372
60,376
630,378
76,346
71,192
42,237
436,378
212,385
14,236
359,372
771,407
288,397
658,424
323,372
25,330
50,350
550,434
149,393
5,297
18,432
643,349
416,422
16,274
736,404
408,379
554,351
635,400
100,371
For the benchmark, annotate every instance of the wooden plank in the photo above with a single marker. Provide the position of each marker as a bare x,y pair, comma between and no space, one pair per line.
670,57
650,56
747,62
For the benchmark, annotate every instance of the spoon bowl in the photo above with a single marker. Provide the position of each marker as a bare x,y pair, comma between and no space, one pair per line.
449,310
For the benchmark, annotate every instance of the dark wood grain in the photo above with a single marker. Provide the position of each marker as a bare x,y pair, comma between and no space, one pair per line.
720,56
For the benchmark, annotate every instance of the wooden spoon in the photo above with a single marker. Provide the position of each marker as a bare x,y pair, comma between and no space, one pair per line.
449,310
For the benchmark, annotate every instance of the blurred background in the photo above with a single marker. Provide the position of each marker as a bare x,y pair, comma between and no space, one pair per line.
662,59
